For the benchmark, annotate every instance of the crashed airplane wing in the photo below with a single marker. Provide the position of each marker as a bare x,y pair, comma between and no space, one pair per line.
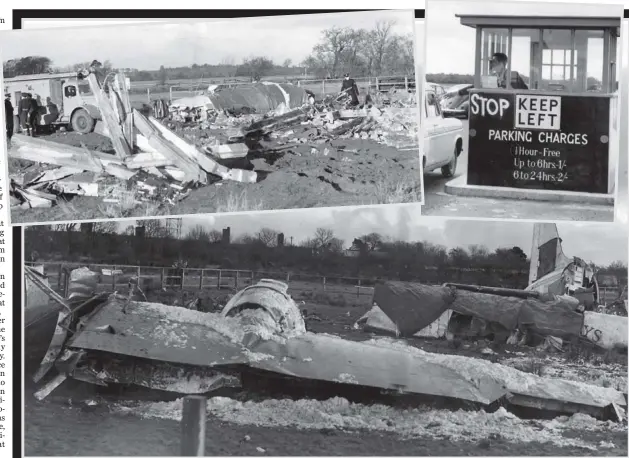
161,332
165,347
332,359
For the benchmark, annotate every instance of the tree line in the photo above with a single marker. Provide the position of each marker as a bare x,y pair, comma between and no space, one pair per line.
362,52
323,253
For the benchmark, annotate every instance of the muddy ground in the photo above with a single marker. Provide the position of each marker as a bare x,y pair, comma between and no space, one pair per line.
314,172
79,420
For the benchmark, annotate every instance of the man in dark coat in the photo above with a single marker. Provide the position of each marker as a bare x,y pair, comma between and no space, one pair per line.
498,65
33,114
24,107
8,116
349,87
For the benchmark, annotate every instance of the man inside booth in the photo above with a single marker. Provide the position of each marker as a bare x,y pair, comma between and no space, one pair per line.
498,66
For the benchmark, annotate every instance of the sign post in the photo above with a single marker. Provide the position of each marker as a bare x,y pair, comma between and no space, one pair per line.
528,140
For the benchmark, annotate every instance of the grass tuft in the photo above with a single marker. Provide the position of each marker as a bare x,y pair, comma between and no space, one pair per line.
239,201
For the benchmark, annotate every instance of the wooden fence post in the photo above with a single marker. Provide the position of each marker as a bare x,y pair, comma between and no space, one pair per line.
193,426
163,276
358,289
113,278
406,83
148,95
170,92
252,276
201,279
139,274
59,277
218,277
323,89
377,84
236,281
323,283
183,277
288,277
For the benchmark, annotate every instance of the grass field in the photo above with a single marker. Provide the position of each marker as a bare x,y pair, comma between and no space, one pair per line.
187,88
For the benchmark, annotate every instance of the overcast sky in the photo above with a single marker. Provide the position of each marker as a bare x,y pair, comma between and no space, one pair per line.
147,46
599,243
450,46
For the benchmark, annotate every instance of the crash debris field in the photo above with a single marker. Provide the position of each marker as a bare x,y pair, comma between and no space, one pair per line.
274,366
258,147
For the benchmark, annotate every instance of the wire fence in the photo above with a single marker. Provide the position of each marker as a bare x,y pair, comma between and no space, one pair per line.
319,87
117,277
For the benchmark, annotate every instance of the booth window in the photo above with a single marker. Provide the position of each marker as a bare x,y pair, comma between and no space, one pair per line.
590,46
564,59
524,59
493,41
558,67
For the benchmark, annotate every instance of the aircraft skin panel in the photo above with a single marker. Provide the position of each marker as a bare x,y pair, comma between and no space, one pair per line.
330,358
547,259
159,332
396,366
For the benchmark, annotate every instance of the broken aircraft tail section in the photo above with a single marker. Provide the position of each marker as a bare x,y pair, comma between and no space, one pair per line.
546,252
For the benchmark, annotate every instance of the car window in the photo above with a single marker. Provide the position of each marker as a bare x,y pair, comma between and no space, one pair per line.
70,91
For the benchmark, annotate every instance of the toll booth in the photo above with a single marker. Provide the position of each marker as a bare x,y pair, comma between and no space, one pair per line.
544,110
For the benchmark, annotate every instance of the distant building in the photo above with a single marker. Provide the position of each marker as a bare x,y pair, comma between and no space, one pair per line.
280,239
226,236
352,252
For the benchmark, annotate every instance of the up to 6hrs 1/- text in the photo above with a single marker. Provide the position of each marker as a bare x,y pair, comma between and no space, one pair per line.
549,165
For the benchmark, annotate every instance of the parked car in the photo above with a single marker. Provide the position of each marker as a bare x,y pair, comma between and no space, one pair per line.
438,89
453,92
456,104
443,137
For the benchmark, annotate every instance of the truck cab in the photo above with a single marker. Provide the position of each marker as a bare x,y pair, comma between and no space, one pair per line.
79,105
63,99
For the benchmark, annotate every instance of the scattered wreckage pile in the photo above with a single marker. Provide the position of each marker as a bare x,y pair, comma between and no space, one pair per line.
195,141
259,339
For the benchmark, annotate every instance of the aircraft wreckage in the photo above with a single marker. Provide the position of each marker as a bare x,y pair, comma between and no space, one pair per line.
260,335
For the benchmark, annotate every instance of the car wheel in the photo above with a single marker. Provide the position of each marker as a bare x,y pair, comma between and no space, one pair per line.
449,170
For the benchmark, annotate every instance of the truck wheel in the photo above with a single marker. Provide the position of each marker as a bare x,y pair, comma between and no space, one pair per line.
82,122
449,170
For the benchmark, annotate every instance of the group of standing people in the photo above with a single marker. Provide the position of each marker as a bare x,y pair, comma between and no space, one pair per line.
28,110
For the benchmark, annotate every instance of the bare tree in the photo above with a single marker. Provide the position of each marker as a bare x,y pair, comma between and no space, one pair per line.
155,228
267,236
69,227
255,67
333,43
199,232
162,75
107,227
372,241
287,63
377,43
322,237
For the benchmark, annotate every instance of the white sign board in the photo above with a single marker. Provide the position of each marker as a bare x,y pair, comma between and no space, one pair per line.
537,112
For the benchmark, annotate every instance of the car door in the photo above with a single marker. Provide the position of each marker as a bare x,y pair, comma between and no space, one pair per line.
431,140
